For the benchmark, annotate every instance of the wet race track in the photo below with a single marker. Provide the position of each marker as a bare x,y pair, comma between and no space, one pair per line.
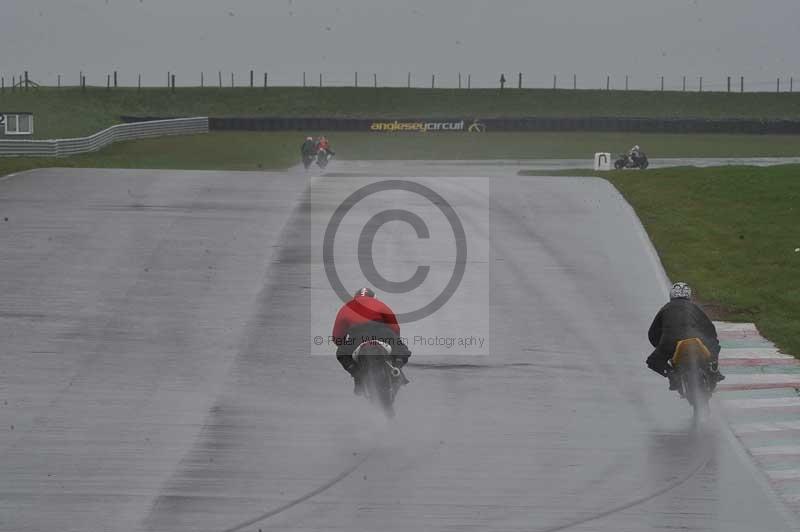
158,371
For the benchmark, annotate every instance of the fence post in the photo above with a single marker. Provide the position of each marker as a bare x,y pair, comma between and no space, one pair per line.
108,81
2,84
251,78
320,79
459,80
791,84
139,86
555,81
115,79
608,83
626,83
519,81
304,79
409,80
59,81
26,80
684,83
574,82
173,83
220,78
83,83
266,77
232,81
169,77
375,79
662,83
433,81
13,83
778,86
741,84
356,78
469,81
202,80
701,83
729,84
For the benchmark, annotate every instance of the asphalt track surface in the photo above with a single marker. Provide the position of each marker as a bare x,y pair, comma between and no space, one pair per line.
155,373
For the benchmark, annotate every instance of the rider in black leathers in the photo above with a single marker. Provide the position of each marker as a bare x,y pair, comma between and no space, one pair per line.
678,320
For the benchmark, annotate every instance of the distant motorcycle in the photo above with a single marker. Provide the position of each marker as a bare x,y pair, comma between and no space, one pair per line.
626,161
308,159
381,377
323,157
696,382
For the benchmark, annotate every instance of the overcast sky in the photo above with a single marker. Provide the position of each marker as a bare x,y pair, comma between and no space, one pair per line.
592,38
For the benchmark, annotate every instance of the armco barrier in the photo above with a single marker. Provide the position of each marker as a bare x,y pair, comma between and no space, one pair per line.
139,130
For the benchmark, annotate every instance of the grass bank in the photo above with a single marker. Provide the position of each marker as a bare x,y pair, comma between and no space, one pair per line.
69,112
731,232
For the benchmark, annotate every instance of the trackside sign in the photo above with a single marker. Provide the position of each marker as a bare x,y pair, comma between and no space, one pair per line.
397,125
425,126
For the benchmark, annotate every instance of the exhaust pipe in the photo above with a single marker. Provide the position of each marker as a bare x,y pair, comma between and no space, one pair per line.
395,371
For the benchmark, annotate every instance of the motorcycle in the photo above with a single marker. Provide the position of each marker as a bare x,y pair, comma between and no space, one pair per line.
323,157
626,161
696,383
308,159
382,379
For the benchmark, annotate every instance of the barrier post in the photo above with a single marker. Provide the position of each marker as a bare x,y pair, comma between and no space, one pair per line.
608,83
251,78
684,83
375,79
173,83
729,84
741,84
555,81
266,79
108,81
202,80
662,83
26,81
459,80
356,80
169,76
433,81
574,82
220,78
519,81
778,86
469,81
139,86
701,83
409,80
626,83
59,81
320,79
232,81
304,79
115,79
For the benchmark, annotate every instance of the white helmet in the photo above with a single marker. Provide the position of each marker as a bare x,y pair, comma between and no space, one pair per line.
309,138
680,291
636,148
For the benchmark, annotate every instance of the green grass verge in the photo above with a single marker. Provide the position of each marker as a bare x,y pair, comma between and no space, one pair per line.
70,112
279,150
730,232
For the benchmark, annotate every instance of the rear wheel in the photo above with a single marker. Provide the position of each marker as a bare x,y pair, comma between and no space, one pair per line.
619,164
644,164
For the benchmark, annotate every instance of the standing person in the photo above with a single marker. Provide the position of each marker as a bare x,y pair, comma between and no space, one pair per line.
680,319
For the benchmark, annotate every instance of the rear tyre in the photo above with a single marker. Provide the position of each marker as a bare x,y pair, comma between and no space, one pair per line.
618,164
644,164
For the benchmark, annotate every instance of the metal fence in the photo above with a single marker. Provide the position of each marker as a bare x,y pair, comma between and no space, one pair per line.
65,147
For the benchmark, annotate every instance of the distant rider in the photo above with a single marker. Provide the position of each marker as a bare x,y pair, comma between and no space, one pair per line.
324,144
635,153
362,318
309,148
678,320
